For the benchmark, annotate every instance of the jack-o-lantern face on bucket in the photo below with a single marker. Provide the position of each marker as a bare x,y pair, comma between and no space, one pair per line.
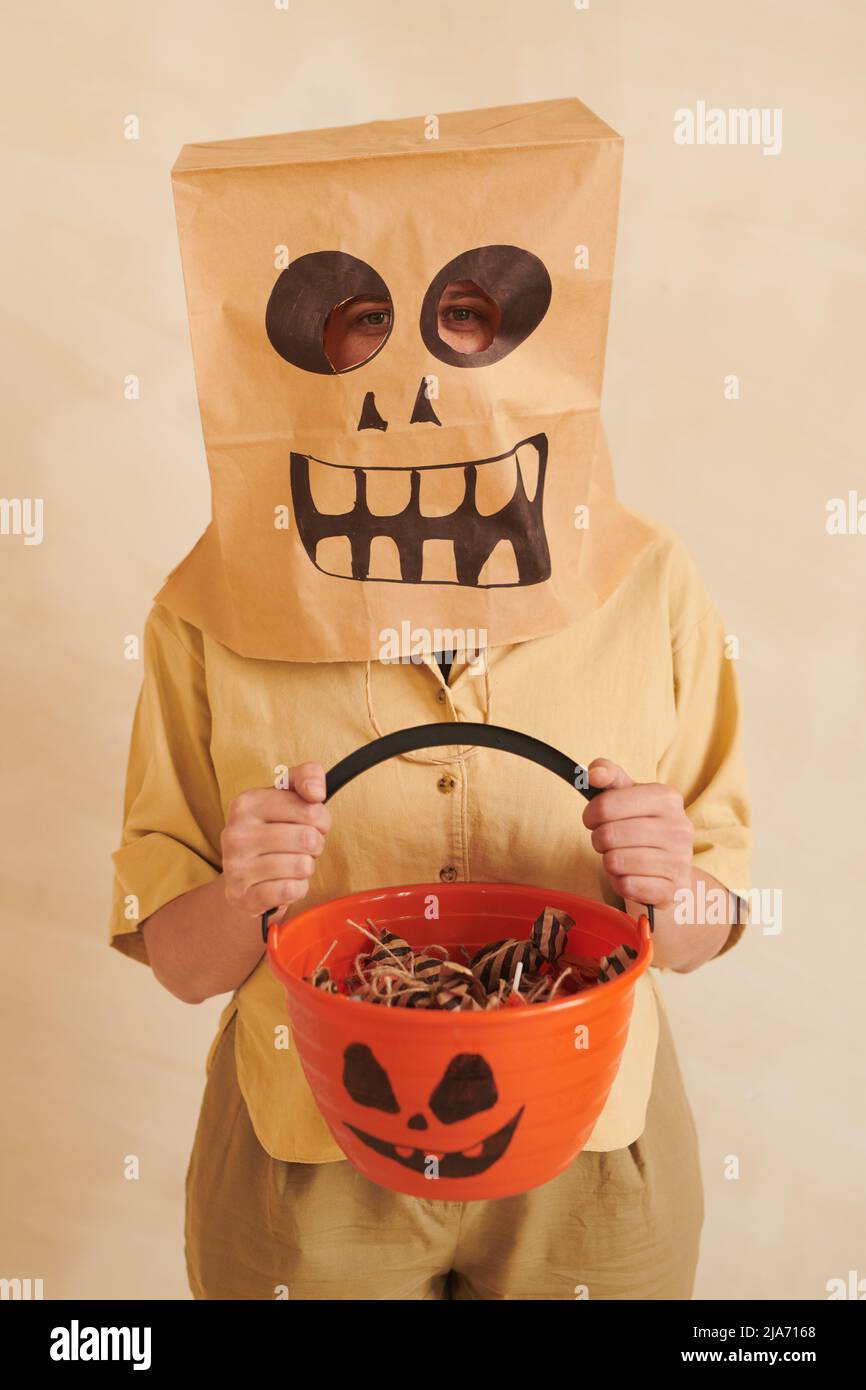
399,337
466,1090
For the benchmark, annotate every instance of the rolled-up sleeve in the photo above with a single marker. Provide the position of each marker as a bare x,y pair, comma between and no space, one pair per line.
705,760
172,815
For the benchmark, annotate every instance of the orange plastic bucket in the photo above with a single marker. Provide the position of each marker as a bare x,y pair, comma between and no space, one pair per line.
457,1106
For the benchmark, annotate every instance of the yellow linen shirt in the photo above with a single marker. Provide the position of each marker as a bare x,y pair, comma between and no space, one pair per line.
644,681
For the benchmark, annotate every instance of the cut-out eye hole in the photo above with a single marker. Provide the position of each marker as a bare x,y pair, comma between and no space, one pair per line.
484,304
367,1081
329,312
355,330
466,1088
468,319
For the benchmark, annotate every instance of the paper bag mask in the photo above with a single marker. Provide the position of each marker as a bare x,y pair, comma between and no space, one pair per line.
399,332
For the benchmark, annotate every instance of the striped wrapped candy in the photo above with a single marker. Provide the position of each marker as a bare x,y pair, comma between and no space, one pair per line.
412,998
392,947
461,979
428,968
616,963
498,961
322,978
458,995
550,933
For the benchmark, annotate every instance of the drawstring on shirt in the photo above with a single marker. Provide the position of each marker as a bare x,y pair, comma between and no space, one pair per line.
380,732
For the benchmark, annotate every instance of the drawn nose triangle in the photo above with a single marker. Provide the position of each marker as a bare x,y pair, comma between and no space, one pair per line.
417,1122
422,411
370,419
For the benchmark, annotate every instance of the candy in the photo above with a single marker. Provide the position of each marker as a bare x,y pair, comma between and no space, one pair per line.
616,963
500,959
550,932
503,974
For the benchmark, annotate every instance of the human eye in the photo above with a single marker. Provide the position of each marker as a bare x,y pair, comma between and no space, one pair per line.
374,319
461,313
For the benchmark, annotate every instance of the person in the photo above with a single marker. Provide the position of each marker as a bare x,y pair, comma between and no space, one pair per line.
225,819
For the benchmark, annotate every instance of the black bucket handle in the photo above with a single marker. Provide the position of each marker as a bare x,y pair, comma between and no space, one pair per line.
450,735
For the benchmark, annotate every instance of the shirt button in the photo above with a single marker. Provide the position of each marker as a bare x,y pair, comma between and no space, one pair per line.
447,784
448,874
440,696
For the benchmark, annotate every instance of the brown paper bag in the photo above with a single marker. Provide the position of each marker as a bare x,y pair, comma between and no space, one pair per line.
398,332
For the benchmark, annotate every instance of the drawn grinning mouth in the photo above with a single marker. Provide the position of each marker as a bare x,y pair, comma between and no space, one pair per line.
452,519
462,1164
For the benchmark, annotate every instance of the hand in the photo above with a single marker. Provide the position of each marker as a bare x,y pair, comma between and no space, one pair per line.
643,835
272,840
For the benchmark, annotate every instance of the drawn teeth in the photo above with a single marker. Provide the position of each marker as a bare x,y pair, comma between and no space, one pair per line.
402,524
333,489
388,490
440,564
404,1151
495,484
442,490
384,558
500,567
527,462
334,556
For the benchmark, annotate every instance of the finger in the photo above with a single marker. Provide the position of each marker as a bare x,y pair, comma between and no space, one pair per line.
286,838
266,867
624,803
604,773
639,862
273,805
308,779
657,892
653,831
245,842
278,892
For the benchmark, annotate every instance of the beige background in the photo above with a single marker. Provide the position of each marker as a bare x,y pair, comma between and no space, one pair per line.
729,261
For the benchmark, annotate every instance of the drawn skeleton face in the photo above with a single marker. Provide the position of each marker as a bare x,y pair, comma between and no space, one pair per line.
399,339
330,313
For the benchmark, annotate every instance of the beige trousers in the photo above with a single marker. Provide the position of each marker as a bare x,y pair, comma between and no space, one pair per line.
619,1225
